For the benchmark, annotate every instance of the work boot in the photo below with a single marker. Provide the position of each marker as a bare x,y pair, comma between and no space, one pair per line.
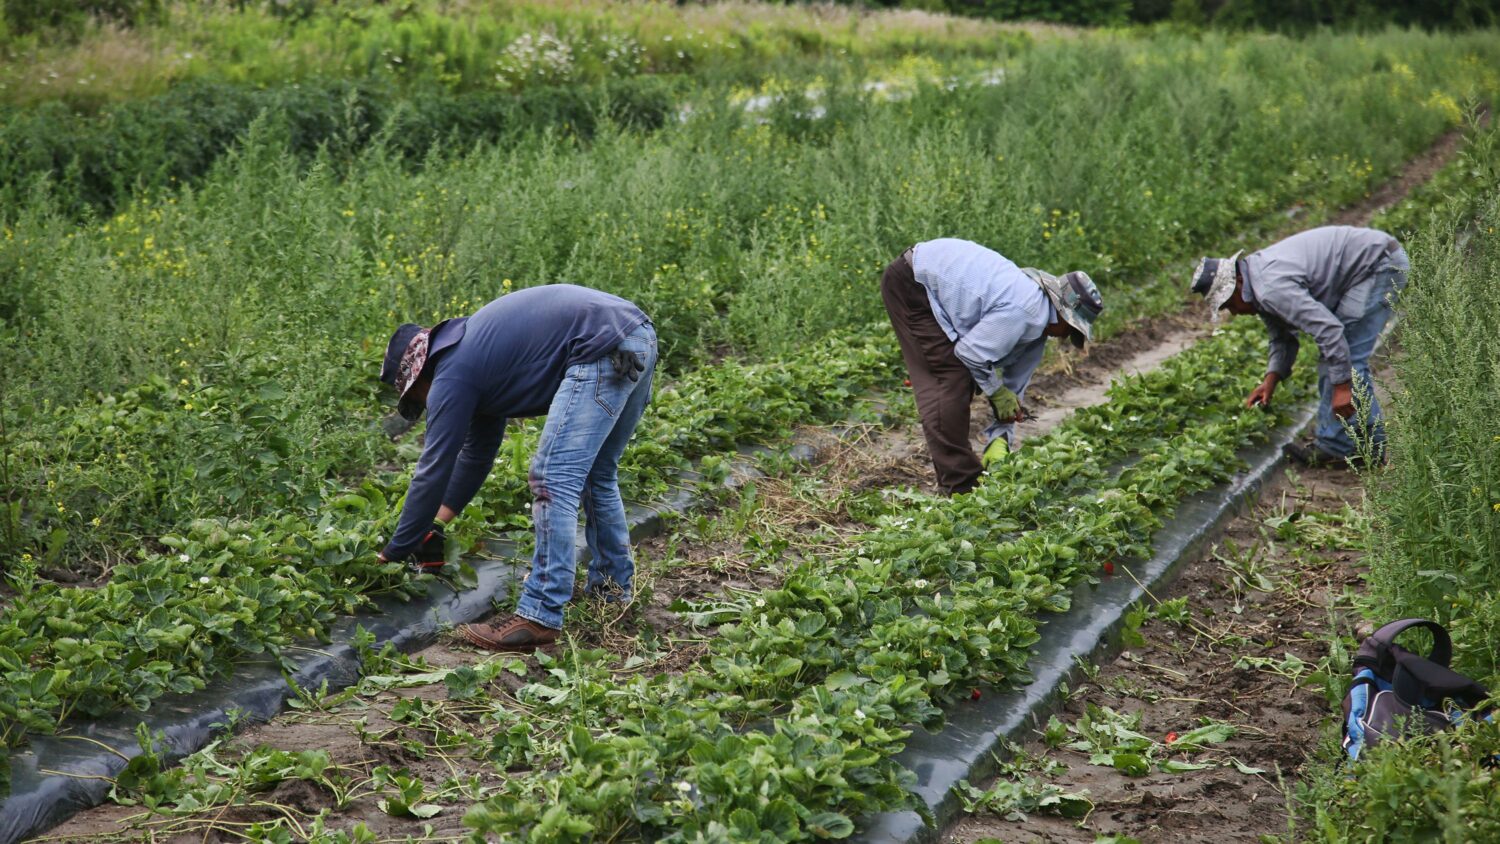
512,634
608,592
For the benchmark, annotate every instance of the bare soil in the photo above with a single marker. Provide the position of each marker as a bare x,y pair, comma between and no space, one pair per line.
1184,674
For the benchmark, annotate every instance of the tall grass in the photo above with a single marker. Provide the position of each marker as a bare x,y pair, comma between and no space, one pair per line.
1436,517
269,289
1437,508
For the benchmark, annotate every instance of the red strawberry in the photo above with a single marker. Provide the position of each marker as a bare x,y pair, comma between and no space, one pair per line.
907,382
973,694
1171,737
1109,567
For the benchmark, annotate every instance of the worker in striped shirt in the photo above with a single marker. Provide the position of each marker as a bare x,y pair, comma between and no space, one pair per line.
969,320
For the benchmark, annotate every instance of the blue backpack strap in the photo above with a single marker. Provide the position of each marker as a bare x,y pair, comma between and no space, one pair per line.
1358,698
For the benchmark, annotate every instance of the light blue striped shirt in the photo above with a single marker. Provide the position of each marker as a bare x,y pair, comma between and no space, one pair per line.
992,311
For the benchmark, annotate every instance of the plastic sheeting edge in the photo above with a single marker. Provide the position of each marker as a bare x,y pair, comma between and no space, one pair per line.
1090,630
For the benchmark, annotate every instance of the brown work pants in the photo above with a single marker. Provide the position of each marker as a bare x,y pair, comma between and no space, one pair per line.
942,383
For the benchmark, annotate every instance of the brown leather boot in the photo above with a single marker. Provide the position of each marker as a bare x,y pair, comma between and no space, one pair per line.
512,634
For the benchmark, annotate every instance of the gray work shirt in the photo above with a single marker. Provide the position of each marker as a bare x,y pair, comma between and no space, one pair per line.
1315,282
993,312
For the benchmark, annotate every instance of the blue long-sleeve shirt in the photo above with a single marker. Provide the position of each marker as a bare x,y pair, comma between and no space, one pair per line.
507,362
992,310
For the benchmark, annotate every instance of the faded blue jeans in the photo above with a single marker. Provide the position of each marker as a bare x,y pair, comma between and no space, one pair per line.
577,461
1361,331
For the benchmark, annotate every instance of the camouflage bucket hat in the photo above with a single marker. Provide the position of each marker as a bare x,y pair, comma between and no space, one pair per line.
1213,279
1076,298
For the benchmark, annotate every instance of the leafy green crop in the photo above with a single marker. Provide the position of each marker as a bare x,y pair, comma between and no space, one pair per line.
829,671
223,589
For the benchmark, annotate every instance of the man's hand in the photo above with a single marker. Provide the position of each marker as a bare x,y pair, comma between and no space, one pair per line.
395,425
430,556
627,364
1006,406
1261,396
1343,400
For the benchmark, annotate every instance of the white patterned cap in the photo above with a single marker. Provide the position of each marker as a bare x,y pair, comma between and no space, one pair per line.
1213,279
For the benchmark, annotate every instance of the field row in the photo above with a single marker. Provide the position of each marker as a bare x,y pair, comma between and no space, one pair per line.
785,728
231,498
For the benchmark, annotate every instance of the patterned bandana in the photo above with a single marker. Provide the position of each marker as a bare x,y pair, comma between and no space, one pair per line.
1214,280
413,360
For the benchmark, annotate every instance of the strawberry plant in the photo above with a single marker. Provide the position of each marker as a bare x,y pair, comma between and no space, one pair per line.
219,589
852,650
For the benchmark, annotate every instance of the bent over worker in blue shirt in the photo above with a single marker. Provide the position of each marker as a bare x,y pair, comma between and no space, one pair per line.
961,312
583,358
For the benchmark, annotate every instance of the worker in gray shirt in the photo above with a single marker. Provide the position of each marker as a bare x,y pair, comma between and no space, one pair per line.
969,320
1337,284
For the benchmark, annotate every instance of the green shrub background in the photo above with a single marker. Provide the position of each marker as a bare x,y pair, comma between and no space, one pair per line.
1435,514
1437,508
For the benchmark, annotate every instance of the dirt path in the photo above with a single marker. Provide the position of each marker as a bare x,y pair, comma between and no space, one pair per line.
1270,594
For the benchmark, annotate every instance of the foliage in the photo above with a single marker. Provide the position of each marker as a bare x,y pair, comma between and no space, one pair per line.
834,665
1013,798
190,388
1085,12
1436,510
1307,14
99,160
1113,739
23,17
1428,788
1434,522
240,584
485,45
1293,15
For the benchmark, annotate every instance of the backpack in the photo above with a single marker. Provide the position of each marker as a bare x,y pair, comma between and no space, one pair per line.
1398,693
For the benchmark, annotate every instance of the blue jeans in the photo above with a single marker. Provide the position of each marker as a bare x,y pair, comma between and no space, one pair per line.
1361,332
577,461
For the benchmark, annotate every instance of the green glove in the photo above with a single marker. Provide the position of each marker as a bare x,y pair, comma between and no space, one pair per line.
994,452
1007,405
